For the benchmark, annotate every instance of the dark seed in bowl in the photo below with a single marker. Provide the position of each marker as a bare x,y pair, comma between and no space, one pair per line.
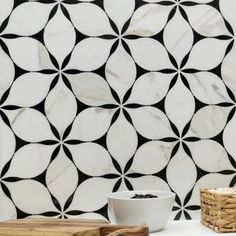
139,196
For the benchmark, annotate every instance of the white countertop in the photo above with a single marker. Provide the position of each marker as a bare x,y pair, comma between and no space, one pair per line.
188,228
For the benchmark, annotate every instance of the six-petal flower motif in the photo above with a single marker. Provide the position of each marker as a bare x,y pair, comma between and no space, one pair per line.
99,96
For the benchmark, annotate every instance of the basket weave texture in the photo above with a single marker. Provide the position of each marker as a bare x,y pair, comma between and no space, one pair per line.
218,209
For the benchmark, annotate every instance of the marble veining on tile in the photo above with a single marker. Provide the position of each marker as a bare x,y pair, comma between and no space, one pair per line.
106,95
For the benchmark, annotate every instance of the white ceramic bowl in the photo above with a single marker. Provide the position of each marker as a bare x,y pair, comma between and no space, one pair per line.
154,212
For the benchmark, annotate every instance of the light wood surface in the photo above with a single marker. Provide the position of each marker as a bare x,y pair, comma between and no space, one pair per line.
67,227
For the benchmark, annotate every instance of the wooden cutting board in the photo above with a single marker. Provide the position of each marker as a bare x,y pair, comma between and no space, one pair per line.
68,227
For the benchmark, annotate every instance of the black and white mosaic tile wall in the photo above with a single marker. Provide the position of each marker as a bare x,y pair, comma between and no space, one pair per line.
108,95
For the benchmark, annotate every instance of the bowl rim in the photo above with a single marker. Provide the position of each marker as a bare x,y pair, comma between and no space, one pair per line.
113,195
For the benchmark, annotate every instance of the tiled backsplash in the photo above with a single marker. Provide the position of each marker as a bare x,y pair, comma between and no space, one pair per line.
108,95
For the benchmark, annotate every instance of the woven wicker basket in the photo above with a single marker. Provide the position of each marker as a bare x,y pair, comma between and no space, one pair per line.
218,209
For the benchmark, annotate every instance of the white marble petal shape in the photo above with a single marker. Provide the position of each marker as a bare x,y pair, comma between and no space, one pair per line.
148,20
7,72
178,42
151,1
181,169
88,60
31,125
29,89
150,88
91,194
206,20
228,8
59,36
210,155
29,54
228,70
61,178
119,11
91,124
6,8
149,182
151,122
197,1
60,107
208,121
212,180
122,140
92,159
229,137
87,216
149,54
155,155
179,105
30,161
91,89
207,54
208,87
90,19
7,144
28,18
7,208
120,71
31,196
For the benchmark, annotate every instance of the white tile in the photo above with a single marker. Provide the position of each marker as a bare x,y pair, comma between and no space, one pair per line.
155,155
29,54
150,88
208,121
7,208
151,122
208,88
229,137
87,60
181,173
228,70
91,194
32,126
178,42
31,196
91,124
92,159
148,20
91,89
59,36
60,107
119,11
149,183
90,19
212,180
5,10
206,20
61,174
122,147
227,8
217,158
28,18
120,71
207,54
7,144
30,161
179,105
149,53
29,89
7,72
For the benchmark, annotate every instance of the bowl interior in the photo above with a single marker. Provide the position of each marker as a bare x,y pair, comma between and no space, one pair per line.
127,195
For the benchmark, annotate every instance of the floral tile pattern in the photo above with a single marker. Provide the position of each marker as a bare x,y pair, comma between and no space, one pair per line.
107,95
